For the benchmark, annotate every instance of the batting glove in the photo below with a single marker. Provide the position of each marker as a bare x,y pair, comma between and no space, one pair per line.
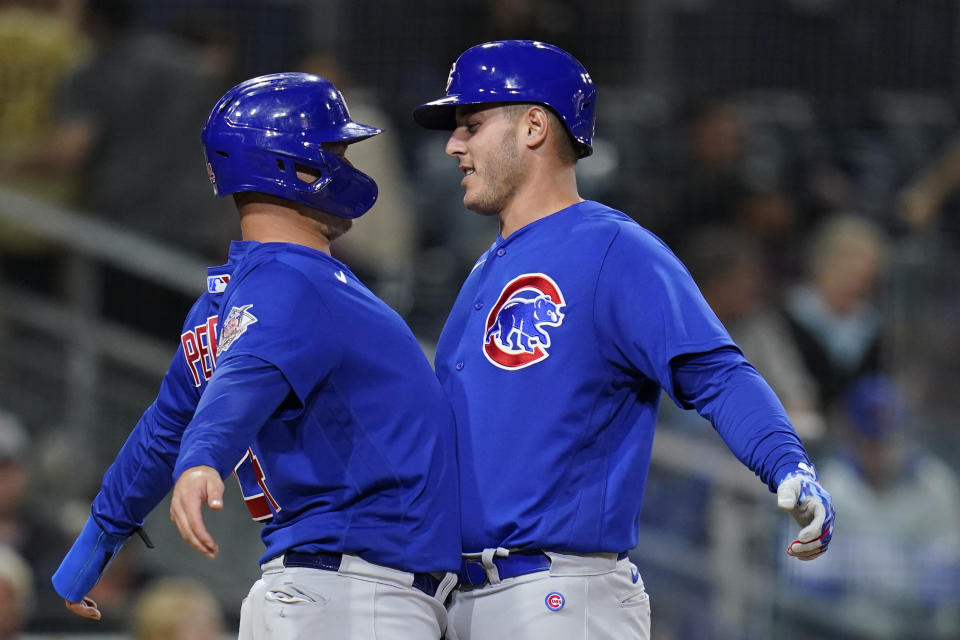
86,561
801,495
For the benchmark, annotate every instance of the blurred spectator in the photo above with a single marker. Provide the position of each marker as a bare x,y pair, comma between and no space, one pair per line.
833,311
922,200
896,572
128,126
715,180
381,246
728,266
39,44
16,592
176,609
26,523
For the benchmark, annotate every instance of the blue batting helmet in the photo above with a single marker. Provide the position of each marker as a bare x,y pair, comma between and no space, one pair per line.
262,130
518,71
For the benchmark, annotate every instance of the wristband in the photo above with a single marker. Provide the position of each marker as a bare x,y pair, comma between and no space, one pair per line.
86,561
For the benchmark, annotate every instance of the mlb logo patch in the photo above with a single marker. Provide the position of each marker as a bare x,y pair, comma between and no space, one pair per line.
554,601
217,283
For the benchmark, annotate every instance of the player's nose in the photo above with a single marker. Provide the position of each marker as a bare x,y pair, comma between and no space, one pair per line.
455,143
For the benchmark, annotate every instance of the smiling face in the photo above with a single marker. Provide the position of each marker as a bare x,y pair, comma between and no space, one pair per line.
486,145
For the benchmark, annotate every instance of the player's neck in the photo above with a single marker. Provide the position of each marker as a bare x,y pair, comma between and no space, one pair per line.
543,194
263,222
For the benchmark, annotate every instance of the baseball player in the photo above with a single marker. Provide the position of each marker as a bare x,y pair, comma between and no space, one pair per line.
294,377
554,357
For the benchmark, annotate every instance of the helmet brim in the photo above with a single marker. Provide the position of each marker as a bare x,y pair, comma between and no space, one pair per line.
439,114
355,132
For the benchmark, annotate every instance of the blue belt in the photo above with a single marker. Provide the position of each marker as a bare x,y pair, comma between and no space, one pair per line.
329,561
518,563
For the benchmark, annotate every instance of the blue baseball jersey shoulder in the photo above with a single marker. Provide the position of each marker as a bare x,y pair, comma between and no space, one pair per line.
141,474
554,356
361,458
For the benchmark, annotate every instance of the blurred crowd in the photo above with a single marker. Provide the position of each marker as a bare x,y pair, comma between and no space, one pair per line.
821,222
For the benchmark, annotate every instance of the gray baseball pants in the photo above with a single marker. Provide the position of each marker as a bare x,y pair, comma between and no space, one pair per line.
360,601
580,597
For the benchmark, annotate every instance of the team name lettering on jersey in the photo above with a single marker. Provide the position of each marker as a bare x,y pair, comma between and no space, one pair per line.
515,336
200,349
235,325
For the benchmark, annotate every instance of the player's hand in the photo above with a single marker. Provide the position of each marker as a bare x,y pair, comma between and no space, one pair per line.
197,486
801,495
85,608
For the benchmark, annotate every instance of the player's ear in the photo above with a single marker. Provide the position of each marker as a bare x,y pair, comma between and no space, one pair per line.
536,126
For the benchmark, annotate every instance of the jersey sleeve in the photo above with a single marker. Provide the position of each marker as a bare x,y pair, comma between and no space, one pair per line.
650,309
140,475
275,314
730,393
243,393
133,485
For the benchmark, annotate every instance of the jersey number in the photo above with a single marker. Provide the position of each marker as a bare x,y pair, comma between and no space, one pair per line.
253,484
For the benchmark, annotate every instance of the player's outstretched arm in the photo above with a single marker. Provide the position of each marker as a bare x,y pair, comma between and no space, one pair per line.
82,567
800,494
196,487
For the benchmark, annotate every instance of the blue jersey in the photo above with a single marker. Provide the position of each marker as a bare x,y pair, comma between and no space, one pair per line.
554,357
360,457
141,474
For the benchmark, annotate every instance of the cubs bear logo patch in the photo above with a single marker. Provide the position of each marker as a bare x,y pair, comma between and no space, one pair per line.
515,334
234,326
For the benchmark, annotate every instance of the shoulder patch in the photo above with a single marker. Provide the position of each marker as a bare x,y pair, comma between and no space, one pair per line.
234,326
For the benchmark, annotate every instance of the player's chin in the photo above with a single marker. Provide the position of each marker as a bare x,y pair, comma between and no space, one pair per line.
333,227
480,206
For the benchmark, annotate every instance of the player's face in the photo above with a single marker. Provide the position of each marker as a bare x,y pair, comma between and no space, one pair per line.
331,226
339,148
486,146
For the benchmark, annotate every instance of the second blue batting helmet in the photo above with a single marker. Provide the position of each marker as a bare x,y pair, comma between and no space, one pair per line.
262,131
518,71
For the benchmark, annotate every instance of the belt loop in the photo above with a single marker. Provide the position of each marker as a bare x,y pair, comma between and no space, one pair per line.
447,584
486,558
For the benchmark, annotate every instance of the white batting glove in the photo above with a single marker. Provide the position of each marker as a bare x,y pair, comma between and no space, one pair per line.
801,495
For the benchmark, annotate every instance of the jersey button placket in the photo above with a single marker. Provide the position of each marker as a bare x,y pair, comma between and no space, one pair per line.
478,305
501,252
460,366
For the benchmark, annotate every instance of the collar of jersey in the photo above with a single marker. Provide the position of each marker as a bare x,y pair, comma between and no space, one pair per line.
290,247
555,217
